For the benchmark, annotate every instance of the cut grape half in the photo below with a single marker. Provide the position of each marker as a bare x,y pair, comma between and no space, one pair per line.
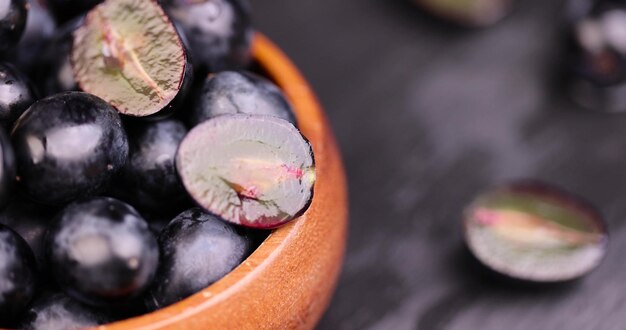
256,171
128,53
535,232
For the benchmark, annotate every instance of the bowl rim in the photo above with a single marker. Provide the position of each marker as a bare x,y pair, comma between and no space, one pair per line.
314,126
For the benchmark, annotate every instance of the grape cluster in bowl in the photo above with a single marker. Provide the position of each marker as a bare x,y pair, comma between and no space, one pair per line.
141,157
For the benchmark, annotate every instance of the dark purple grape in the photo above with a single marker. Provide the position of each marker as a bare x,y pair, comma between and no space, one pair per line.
140,68
31,221
231,92
7,169
18,276
65,10
256,171
101,251
67,146
38,32
156,225
13,15
219,32
596,54
149,180
57,311
197,250
534,232
16,94
54,72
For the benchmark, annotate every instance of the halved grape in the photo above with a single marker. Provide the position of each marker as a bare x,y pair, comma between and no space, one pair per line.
257,171
535,232
128,53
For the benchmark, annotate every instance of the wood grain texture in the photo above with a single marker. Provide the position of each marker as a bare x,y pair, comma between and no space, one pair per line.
288,281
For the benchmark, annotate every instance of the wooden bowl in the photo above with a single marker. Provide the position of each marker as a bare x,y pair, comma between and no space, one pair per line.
288,281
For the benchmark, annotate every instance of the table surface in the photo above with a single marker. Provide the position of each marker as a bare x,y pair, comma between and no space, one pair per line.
428,116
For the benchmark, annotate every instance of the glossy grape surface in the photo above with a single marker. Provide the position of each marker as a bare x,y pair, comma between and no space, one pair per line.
13,15
16,94
219,32
231,92
198,249
59,312
101,251
18,276
68,146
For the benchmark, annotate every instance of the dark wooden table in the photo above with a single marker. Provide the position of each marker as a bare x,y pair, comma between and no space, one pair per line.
428,116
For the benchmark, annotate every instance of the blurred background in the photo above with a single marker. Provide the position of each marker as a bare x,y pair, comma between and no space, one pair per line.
428,115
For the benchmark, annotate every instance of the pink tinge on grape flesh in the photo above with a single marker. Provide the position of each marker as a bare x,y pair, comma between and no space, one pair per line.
256,171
